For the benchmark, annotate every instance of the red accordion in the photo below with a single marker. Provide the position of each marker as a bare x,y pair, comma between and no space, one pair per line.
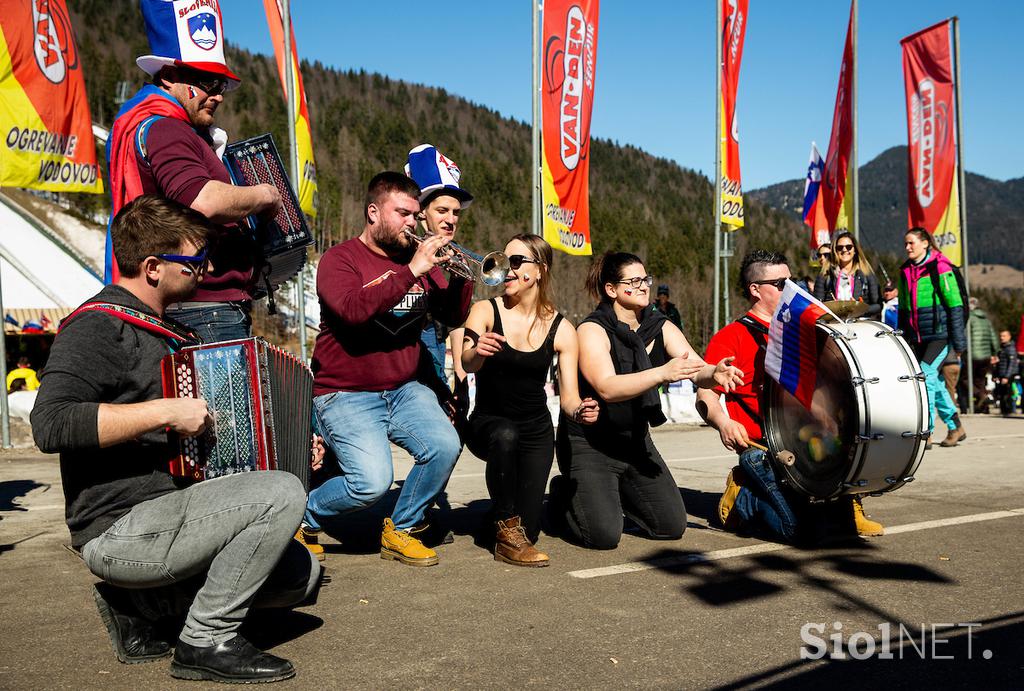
260,398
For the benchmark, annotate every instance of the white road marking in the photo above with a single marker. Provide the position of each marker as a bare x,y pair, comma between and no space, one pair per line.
717,555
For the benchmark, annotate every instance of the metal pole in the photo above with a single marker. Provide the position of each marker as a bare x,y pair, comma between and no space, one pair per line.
855,183
961,181
719,239
293,156
538,222
5,413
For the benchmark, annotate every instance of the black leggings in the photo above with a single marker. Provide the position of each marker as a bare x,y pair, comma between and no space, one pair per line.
599,485
519,456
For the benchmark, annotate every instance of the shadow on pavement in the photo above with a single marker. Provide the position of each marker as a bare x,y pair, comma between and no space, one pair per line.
720,583
269,628
12,489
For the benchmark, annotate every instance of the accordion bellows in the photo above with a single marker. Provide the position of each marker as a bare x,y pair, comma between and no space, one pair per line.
260,398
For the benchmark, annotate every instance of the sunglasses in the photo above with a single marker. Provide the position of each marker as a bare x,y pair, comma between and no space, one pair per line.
638,281
191,264
213,86
777,283
517,260
844,248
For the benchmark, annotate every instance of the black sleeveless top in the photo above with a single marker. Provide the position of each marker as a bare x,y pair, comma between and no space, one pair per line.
511,382
625,419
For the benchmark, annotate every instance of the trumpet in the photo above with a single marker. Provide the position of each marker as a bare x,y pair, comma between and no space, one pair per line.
490,269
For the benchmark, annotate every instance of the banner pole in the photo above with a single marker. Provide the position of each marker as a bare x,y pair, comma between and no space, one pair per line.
961,181
5,412
718,164
855,186
537,224
293,158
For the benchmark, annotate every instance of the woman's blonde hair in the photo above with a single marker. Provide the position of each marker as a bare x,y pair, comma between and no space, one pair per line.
542,253
860,263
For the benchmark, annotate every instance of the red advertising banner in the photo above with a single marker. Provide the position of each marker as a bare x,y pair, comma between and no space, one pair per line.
931,124
44,113
306,187
569,53
734,28
837,161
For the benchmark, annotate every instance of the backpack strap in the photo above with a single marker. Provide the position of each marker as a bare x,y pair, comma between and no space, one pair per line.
141,132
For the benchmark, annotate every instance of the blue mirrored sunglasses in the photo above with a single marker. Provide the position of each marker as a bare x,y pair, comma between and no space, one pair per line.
194,264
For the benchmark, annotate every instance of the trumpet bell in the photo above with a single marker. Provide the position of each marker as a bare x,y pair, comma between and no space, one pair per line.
494,267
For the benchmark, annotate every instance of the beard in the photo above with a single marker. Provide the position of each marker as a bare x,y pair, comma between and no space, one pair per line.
395,243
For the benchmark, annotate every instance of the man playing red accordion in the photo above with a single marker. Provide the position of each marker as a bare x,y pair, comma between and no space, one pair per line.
223,545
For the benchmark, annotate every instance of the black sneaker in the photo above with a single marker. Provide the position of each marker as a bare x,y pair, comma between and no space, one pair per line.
235,661
432,532
132,636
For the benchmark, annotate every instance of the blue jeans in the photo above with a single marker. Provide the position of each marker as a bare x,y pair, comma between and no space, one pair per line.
357,426
226,321
760,500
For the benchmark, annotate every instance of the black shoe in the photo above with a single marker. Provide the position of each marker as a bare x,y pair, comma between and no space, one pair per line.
235,661
133,637
431,532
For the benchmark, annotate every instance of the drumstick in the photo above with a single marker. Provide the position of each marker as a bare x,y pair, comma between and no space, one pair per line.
785,457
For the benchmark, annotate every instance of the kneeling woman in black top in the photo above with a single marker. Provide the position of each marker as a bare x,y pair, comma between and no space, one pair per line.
510,342
611,468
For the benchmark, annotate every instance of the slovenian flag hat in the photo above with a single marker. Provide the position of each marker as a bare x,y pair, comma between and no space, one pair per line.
187,33
435,174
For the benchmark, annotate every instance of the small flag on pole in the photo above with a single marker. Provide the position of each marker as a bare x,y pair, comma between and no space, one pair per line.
11,320
814,205
792,355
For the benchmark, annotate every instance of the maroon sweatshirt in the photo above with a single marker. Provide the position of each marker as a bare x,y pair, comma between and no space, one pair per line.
372,311
181,162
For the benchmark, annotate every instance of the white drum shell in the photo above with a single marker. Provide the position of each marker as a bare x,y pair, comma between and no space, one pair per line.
891,417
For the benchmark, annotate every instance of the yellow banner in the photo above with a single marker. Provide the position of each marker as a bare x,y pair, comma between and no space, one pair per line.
306,186
947,234
44,113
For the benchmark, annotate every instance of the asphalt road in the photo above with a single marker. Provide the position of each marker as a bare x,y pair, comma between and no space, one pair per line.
711,610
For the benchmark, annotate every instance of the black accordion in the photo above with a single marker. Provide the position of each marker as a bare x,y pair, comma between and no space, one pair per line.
285,237
260,398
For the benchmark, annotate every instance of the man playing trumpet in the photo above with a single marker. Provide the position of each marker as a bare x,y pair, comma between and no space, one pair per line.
375,292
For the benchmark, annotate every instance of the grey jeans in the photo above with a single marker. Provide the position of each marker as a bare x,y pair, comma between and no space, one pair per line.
227,541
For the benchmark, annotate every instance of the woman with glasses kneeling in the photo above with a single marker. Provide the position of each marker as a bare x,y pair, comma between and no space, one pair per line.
847,275
611,468
510,342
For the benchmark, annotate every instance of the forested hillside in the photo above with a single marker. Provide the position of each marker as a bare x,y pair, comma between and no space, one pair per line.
364,123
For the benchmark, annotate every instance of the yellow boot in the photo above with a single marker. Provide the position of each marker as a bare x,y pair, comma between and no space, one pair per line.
399,545
310,539
730,521
865,526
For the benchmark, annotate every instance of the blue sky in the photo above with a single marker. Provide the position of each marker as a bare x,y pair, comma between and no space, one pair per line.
655,69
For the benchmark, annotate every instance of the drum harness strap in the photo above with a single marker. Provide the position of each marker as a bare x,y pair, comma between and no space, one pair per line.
759,332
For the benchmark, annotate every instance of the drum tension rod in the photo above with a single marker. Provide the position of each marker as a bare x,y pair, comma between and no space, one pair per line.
915,435
858,483
908,377
858,381
877,436
835,335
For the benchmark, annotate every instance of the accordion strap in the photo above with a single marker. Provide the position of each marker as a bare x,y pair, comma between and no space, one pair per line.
174,334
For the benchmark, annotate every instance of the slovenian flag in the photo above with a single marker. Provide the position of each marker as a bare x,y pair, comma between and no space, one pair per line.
792,355
814,205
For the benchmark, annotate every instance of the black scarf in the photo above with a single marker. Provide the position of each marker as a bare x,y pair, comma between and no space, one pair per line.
629,353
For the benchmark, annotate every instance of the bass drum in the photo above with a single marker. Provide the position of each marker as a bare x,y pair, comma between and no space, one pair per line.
865,432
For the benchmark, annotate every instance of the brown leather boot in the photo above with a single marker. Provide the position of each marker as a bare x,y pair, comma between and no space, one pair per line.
513,547
954,437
